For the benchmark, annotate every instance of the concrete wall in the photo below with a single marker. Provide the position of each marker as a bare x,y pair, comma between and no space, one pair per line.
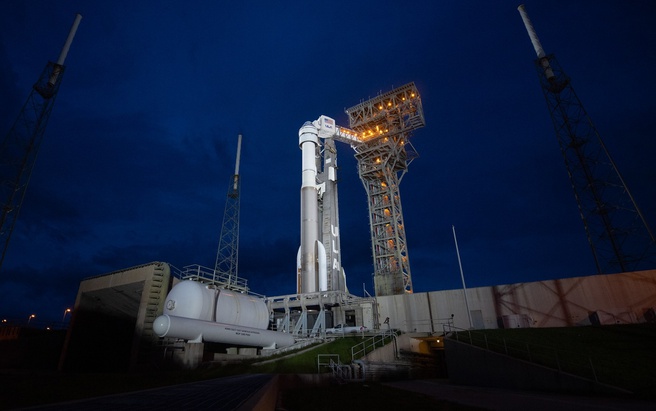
388,353
614,298
111,325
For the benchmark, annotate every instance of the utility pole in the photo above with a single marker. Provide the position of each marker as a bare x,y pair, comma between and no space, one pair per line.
462,276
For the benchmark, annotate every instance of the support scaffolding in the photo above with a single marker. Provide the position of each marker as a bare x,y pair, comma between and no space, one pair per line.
384,124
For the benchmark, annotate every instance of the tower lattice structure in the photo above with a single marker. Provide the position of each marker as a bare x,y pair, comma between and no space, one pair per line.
617,232
20,148
227,255
384,125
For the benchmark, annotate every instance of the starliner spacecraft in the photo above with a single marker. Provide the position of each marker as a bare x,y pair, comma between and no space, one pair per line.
319,264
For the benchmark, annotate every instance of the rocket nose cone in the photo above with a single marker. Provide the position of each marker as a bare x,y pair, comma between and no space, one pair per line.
161,325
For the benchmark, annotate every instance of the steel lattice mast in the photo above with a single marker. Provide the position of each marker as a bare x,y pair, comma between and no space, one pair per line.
617,232
20,147
384,124
227,255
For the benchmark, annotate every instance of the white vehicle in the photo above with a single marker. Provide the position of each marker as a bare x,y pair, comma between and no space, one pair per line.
345,329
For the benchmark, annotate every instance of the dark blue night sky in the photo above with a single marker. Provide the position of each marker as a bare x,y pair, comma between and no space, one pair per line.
140,146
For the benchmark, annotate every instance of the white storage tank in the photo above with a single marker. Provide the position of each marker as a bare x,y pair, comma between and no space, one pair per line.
242,309
191,299
198,312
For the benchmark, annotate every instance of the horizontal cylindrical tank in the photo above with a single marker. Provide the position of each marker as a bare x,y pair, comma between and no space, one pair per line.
243,309
209,331
191,299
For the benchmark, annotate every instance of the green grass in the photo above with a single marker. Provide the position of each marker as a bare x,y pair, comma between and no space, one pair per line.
306,362
619,355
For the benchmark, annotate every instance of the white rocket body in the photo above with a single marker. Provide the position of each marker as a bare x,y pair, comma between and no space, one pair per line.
319,265
311,268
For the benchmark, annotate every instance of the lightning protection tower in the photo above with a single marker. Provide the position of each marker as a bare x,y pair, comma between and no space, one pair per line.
617,232
21,145
227,253
384,124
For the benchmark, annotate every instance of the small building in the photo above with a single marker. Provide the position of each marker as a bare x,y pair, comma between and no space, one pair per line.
111,325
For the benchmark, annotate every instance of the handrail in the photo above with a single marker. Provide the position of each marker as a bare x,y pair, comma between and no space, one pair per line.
196,272
329,358
345,372
376,341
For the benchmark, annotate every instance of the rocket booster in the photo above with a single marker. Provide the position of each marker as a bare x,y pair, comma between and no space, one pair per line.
311,260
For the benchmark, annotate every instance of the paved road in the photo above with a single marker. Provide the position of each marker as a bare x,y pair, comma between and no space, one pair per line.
508,400
229,393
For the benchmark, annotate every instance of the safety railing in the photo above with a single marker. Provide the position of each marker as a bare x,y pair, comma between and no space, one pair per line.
341,372
377,341
207,275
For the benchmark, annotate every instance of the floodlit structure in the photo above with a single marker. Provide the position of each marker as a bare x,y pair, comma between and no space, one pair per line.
384,125
379,133
21,145
617,232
